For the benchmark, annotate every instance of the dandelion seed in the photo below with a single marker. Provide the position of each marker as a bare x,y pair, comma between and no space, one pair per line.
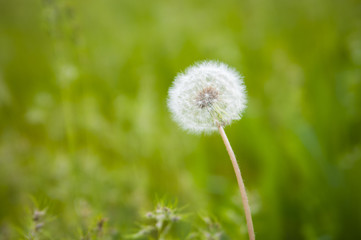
205,98
206,95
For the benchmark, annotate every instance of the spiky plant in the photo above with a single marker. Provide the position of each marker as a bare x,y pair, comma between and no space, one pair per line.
159,222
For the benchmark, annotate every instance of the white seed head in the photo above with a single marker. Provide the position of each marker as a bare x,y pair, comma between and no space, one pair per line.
206,95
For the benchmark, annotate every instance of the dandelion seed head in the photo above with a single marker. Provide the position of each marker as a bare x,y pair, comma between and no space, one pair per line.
206,95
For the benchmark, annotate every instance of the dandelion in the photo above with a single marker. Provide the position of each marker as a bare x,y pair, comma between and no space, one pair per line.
205,98
207,95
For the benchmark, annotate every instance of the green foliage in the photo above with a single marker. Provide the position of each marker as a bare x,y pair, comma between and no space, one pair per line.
210,229
34,229
159,223
85,129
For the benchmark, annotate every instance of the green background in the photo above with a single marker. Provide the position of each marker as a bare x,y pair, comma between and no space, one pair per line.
85,131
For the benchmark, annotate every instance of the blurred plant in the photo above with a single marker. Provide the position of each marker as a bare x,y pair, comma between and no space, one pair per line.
207,97
96,231
89,229
34,226
160,222
210,230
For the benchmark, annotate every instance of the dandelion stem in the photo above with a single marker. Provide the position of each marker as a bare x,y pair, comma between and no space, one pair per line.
242,188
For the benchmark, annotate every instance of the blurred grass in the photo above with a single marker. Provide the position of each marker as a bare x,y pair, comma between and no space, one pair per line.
85,131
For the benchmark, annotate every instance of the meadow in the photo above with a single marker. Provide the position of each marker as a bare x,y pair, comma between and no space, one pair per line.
89,150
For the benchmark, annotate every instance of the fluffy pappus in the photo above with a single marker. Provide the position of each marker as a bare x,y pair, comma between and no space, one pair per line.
206,95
